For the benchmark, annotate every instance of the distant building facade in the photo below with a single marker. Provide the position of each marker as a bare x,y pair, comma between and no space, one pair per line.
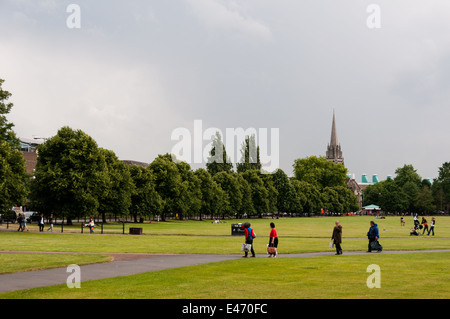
28,147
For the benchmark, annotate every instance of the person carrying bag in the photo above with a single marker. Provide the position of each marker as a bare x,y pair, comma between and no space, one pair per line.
249,236
273,242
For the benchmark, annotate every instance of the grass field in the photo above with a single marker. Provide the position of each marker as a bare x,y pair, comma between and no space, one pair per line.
296,235
11,263
418,275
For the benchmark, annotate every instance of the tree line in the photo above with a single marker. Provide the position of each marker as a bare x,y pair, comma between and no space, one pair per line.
76,178
408,192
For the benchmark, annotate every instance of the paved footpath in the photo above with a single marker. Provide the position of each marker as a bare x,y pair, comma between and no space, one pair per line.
129,264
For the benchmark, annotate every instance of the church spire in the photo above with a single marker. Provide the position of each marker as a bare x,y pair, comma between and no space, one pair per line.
334,152
334,139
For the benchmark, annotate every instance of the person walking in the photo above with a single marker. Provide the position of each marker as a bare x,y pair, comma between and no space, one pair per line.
91,225
402,220
249,236
41,223
273,241
50,221
425,225
24,225
336,237
416,222
373,235
20,221
433,222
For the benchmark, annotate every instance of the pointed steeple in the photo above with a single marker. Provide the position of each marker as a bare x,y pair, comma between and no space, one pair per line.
334,152
334,139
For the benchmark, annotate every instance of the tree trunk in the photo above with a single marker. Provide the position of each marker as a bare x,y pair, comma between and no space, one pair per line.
104,217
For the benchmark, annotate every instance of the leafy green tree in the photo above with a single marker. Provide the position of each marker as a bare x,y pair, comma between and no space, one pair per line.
168,184
393,199
320,172
325,176
347,199
331,201
260,195
145,200
116,198
272,192
218,160
287,200
247,201
214,199
13,177
191,196
372,194
388,195
424,201
70,176
250,159
441,187
406,174
409,181
6,132
308,195
230,184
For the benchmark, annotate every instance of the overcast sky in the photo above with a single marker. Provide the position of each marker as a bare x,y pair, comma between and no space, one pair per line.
136,70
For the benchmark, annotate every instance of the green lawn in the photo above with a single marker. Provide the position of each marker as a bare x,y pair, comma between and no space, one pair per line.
25,262
296,235
354,226
418,275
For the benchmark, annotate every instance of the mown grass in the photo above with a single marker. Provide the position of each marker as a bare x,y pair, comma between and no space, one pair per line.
354,226
416,276
296,235
10,263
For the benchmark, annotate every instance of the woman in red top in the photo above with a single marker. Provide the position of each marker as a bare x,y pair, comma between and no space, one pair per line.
273,240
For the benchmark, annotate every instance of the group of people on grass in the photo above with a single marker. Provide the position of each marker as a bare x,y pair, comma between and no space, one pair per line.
22,221
420,225
336,238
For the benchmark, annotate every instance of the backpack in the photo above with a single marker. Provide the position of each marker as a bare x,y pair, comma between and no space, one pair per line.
250,231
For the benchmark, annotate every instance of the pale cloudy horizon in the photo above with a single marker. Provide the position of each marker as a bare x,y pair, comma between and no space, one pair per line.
137,70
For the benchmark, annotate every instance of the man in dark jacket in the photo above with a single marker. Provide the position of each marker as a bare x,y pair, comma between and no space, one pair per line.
336,237
20,221
373,234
